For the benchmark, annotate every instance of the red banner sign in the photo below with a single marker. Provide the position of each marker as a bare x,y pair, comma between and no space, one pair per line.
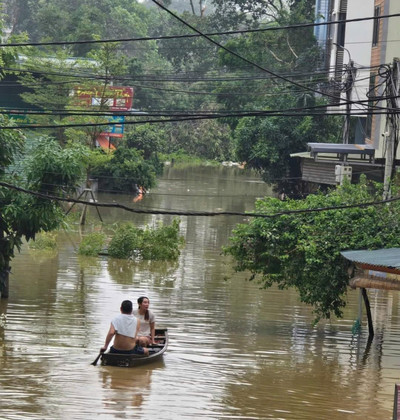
115,98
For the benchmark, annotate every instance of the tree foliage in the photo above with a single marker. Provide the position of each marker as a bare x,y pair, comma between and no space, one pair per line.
125,171
149,139
206,139
265,144
159,243
209,78
47,170
302,250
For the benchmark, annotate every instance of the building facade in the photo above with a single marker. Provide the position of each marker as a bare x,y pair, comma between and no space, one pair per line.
385,49
355,55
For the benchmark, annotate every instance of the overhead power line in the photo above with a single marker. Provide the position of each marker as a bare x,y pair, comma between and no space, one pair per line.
240,56
166,37
185,78
196,213
198,118
178,113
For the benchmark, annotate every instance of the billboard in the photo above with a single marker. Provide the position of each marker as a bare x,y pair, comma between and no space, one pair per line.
115,98
117,128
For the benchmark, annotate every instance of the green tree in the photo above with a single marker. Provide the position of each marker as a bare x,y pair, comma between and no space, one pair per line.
125,171
206,139
48,87
240,12
52,86
265,143
58,20
150,139
302,250
105,63
47,169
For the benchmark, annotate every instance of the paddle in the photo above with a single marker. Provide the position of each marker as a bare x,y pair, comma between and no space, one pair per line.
94,363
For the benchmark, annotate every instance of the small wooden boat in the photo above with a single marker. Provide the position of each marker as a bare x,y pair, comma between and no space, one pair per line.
156,351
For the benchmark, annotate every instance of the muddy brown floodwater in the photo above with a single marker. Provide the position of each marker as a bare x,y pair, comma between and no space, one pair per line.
236,352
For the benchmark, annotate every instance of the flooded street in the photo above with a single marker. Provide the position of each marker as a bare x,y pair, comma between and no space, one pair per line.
235,351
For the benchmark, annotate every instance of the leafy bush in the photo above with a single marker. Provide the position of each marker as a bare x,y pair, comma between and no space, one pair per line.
126,241
92,244
44,241
148,138
161,243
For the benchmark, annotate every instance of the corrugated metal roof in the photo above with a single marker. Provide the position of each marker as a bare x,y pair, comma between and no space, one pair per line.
389,257
366,149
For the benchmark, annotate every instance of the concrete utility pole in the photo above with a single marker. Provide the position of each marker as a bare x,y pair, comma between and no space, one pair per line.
344,170
348,87
392,127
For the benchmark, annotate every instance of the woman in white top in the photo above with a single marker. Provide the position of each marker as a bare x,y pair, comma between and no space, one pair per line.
147,322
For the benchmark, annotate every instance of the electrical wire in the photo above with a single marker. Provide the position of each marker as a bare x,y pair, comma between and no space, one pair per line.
175,113
195,213
238,55
166,37
195,118
175,78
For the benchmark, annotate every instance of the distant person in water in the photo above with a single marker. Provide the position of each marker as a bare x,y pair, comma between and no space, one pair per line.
146,331
124,329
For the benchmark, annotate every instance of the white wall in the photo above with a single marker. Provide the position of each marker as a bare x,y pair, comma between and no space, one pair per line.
390,50
358,42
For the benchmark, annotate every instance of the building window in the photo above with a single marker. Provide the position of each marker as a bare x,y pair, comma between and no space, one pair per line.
375,33
341,30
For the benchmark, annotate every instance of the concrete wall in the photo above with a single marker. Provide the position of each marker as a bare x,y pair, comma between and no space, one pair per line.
358,43
384,53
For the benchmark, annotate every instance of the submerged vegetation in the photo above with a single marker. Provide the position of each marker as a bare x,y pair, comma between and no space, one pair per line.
44,241
92,244
161,243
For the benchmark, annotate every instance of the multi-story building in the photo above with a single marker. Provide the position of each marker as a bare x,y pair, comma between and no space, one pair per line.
354,52
385,49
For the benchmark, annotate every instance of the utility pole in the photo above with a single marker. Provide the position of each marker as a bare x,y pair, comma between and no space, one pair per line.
348,87
392,127
344,170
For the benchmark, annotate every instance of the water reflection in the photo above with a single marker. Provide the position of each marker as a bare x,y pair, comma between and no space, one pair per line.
125,271
126,388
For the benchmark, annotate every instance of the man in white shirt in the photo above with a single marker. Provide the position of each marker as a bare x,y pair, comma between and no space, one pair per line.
124,328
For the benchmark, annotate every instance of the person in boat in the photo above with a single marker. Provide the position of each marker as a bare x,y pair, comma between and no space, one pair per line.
146,331
124,329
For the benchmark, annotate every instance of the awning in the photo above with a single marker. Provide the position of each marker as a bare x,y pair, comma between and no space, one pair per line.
386,260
